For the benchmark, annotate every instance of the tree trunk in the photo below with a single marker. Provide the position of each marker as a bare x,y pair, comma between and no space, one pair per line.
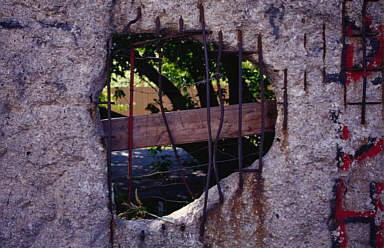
230,65
170,90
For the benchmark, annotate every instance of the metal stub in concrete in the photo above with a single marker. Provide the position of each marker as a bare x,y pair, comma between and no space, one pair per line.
3,151
322,180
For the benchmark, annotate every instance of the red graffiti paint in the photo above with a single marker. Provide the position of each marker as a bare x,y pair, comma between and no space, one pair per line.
345,132
376,149
379,209
367,20
372,152
377,61
379,206
365,151
374,63
347,162
349,29
349,64
341,215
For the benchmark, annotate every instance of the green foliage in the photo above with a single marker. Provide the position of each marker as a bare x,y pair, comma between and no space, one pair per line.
161,165
152,108
163,162
119,93
254,139
155,150
133,211
155,107
179,57
183,64
251,76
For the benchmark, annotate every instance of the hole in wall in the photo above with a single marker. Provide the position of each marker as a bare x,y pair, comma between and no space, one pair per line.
158,187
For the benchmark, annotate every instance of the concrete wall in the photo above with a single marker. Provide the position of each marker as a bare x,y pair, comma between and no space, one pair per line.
53,171
53,190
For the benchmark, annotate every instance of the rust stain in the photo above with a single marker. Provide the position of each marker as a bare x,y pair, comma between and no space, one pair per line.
244,207
305,83
214,219
236,210
259,207
219,228
285,143
93,111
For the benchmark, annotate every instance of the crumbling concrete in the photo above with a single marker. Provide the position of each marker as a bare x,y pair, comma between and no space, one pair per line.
53,176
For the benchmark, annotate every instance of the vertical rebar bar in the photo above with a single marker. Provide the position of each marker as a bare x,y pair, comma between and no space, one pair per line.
158,50
343,78
109,152
221,100
382,85
324,70
208,99
240,112
130,122
363,33
180,44
285,101
181,25
261,146
382,93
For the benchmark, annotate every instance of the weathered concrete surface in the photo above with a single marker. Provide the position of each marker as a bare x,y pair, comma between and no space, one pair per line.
52,164
293,206
53,190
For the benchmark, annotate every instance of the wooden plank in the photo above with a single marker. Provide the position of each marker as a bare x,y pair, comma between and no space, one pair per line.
189,126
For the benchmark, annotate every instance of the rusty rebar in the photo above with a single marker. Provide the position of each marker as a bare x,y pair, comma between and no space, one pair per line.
357,69
367,34
102,102
109,148
261,68
243,52
185,33
221,100
240,112
160,85
285,101
343,78
181,25
208,98
364,44
382,94
109,155
142,177
127,28
130,122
